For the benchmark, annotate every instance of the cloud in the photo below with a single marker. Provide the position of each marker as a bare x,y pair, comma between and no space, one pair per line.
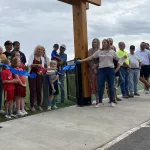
47,22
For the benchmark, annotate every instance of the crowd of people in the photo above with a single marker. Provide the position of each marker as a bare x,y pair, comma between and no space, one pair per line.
43,88
108,69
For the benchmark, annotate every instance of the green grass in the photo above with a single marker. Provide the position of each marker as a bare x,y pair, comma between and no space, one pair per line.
59,105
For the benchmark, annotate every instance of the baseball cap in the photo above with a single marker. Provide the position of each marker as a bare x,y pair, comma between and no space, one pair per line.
64,46
8,43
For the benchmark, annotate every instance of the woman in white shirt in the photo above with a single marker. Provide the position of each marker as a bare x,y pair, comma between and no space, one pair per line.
35,62
106,70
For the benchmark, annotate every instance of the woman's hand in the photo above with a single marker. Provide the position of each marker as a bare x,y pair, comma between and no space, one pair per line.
79,61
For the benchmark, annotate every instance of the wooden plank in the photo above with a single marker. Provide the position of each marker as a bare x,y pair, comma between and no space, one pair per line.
66,1
71,2
81,41
95,2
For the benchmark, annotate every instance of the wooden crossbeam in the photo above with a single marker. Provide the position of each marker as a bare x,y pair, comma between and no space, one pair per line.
71,2
95,2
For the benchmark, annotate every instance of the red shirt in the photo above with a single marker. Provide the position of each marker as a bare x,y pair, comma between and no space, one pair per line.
22,78
7,75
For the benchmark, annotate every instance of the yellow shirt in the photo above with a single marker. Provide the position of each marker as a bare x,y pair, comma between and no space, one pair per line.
122,54
3,56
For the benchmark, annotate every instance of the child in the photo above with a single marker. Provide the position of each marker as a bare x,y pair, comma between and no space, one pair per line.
55,56
9,87
52,73
20,90
53,97
2,56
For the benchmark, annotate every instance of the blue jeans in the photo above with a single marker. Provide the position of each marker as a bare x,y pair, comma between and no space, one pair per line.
62,88
124,80
134,75
106,74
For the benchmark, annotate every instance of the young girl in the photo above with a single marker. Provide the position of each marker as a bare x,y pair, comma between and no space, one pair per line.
9,87
20,90
17,54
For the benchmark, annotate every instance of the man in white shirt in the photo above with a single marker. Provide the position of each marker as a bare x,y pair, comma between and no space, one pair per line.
145,66
134,71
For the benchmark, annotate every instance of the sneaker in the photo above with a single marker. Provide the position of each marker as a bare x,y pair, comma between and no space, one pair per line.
24,112
40,108
146,92
13,116
2,111
49,108
118,99
53,91
112,104
130,95
125,96
33,109
136,94
99,105
8,116
55,107
20,113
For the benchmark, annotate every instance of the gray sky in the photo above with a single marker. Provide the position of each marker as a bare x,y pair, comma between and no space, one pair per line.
45,22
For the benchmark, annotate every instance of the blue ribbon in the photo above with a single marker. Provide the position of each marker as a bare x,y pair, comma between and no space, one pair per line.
71,67
19,72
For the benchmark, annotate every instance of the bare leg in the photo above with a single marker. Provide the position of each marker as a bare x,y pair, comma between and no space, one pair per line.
18,103
22,103
7,107
145,82
10,106
97,99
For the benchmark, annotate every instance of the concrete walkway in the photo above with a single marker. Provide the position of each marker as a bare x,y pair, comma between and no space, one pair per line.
74,128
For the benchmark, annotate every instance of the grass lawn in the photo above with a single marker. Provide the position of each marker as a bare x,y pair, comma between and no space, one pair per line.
67,103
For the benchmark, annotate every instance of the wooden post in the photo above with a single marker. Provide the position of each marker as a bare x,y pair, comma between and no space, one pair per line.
81,41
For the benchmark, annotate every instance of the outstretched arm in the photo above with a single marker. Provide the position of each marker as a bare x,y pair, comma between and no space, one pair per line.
86,59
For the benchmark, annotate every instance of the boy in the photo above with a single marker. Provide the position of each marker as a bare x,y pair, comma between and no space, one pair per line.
53,74
9,87
55,55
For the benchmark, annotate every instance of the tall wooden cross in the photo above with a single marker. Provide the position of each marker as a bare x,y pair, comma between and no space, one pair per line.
80,36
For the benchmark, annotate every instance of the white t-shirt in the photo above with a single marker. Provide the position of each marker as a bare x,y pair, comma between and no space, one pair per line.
106,58
144,56
134,60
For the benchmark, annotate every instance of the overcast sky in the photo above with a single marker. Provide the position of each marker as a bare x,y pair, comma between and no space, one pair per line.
46,22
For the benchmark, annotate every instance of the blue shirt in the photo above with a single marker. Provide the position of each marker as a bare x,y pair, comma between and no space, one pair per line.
64,58
53,54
